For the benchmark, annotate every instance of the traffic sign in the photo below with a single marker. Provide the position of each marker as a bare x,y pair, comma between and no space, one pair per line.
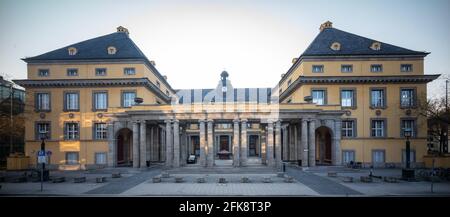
42,159
41,153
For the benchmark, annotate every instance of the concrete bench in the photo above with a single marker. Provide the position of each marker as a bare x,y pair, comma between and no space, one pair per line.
289,179
245,180
347,179
80,179
332,174
165,175
280,174
390,179
59,179
366,179
201,180
267,180
222,180
156,179
179,179
116,175
100,179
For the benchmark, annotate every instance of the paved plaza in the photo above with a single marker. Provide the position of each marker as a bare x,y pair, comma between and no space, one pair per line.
259,181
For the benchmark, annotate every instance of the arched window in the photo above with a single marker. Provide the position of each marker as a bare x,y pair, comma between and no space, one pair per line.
376,46
112,50
72,51
336,46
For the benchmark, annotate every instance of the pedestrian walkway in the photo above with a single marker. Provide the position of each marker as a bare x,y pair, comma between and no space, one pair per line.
320,184
126,183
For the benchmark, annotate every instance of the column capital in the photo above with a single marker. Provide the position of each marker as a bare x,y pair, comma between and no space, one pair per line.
201,120
244,120
168,121
135,121
236,120
209,120
175,121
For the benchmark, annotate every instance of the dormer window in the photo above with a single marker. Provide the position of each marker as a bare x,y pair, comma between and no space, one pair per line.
72,51
112,50
376,46
336,46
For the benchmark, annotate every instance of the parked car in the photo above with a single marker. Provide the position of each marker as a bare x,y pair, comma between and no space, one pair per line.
192,159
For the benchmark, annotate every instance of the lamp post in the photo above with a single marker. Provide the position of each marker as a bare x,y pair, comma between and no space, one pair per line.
407,172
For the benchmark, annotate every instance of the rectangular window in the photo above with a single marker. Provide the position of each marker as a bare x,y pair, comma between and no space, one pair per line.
376,68
128,98
407,98
71,158
289,82
317,68
377,98
72,72
348,128
100,72
158,84
318,97
347,98
100,131
129,71
71,101
378,128
71,131
378,156
100,100
408,124
43,72
348,156
42,102
346,68
100,158
406,67
42,129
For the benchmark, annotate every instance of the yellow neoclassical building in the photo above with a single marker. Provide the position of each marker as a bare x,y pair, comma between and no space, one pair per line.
345,99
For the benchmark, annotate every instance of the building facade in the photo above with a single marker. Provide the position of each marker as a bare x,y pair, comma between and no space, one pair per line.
347,98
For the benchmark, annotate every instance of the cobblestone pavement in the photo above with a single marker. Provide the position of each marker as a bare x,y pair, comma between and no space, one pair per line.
320,184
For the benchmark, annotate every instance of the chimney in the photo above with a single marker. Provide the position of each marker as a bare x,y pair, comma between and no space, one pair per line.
122,29
153,62
282,75
165,77
294,60
326,25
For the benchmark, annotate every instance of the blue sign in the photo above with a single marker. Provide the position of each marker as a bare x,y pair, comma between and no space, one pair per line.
41,153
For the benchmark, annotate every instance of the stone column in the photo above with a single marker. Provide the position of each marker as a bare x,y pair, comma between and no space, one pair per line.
112,151
143,145
244,145
312,143
284,129
210,157
269,151
236,152
149,143
295,144
169,144
202,143
163,149
135,144
183,147
304,143
278,144
176,143
263,146
336,146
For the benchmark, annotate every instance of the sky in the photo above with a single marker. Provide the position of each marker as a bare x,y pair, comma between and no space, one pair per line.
192,42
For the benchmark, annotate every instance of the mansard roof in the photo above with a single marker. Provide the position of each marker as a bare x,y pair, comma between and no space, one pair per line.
96,48
350,45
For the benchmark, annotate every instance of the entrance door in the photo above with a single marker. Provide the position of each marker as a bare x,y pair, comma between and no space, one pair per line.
223,142
195,142
253,146
124,146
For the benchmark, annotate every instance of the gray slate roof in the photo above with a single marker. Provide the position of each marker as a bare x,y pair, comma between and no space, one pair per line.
96,49
351,44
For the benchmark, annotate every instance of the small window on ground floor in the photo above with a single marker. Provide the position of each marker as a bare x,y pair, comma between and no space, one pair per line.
378,156
71,158
100,158
348,156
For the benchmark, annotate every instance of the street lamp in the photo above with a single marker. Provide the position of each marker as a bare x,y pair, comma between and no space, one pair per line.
408,173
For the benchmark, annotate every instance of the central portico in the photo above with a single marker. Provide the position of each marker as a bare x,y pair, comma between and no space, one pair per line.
225,126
